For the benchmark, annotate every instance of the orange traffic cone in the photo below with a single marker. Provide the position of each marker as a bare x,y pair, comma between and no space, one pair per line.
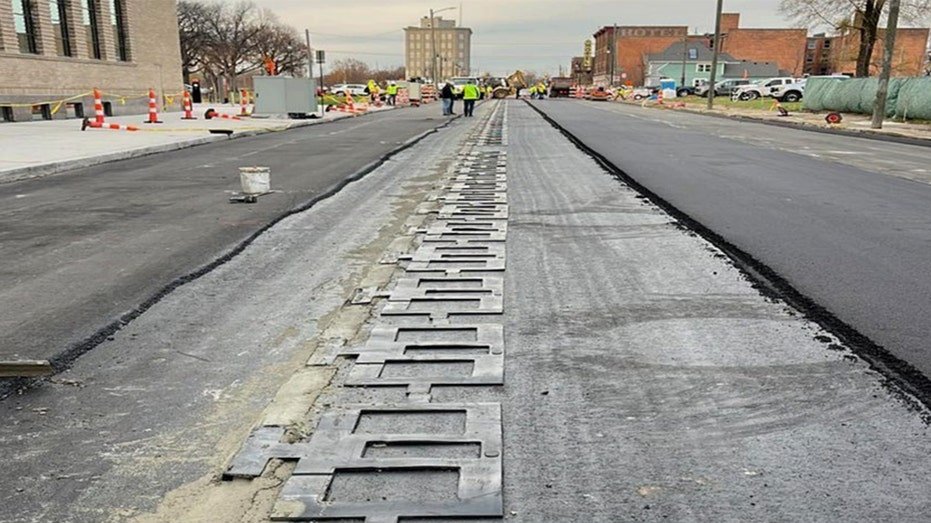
188,107
153,108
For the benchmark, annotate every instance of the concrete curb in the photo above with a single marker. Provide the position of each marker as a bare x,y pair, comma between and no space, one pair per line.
49,169
789,124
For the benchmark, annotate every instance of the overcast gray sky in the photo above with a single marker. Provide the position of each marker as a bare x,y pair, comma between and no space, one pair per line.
536,35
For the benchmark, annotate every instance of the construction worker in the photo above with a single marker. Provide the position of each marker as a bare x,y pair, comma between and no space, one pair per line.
533,92
392,92
541,90
449,98
489,92
470,94
374,92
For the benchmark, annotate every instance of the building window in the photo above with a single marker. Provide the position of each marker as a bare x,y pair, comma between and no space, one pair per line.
118,24
827,44
812,44
703,68
59,11
24,20
91,29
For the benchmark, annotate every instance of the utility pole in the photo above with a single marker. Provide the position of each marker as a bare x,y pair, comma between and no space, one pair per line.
613,54
310,55
433,46
685,55
717,51
892,26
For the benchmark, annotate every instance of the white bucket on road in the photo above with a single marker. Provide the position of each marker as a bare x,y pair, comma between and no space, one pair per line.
255,180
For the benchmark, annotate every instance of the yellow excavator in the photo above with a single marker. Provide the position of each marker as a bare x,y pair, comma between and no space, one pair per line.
514,83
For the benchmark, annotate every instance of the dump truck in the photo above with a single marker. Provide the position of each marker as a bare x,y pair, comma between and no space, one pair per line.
560,87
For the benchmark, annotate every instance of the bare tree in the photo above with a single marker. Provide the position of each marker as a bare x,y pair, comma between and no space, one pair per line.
282,44
348,71
232,40
860,16
192,20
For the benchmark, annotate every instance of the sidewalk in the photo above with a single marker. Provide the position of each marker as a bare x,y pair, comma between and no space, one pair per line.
853,124
34,149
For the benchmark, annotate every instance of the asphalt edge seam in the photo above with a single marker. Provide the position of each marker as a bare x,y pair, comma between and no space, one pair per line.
65,359
900,377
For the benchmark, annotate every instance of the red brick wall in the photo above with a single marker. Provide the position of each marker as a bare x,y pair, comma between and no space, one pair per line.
632,54
786,47
730,22
633,44
908,58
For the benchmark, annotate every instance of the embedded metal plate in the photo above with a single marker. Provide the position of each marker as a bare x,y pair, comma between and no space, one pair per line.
336,446
442,296
456,258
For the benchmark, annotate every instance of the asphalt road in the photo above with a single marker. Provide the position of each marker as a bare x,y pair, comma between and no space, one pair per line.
853,234
82,248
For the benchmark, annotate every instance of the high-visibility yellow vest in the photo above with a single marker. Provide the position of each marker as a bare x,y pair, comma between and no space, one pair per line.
470,92
392,89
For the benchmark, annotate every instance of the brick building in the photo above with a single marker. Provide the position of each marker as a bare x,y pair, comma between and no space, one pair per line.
908,59
453,45
791,50
55,49
785,47
633,45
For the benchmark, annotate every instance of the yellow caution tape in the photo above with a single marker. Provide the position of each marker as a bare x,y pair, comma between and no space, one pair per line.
49,102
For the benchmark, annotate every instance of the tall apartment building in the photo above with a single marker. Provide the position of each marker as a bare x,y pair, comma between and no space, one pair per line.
51,50
453,49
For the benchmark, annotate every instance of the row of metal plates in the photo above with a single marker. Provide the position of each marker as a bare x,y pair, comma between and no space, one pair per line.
439,325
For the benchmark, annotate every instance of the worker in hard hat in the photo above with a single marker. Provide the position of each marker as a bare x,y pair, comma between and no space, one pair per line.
470,94
374,91
392,92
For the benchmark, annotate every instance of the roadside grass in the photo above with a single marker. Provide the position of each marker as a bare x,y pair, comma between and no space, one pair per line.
760,104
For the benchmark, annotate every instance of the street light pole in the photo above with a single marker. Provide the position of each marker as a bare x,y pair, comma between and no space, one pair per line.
433,48
310,55
685,55
613,54
717,51
892,26
433,39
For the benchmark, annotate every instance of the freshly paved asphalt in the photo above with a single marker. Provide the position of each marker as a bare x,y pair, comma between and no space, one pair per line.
83,248
851,234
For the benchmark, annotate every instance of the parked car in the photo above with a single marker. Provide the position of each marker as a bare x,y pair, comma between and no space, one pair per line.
796,91
353,89
685,90
722,88
639,93
761,89
789,92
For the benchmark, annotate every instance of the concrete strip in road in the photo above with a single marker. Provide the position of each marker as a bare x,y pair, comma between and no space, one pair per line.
648,380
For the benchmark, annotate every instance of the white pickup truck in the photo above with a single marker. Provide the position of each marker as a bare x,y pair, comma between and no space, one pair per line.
761,89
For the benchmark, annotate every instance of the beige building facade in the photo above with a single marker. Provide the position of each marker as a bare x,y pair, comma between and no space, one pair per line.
53,50
453,49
